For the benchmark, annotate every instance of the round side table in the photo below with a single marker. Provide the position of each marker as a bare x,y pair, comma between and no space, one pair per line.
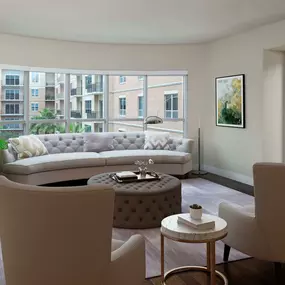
173,230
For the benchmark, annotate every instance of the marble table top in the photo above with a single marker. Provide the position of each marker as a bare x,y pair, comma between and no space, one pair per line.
177,231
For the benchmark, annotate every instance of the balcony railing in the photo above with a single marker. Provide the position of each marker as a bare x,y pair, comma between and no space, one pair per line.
76,114
50,98
50,84
59,96
76,91
91,115
13,127
95,87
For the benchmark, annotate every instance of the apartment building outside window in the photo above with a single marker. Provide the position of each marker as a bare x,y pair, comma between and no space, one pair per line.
34,107
11,125
12,79
88,106
35,77
12,109
12,94
122,79
35,92
122,106
140,106
171,106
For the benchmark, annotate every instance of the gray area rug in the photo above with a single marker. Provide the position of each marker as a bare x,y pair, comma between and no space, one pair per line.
196,190
200,191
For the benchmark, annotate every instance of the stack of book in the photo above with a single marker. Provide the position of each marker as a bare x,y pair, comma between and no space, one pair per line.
204,223
126,175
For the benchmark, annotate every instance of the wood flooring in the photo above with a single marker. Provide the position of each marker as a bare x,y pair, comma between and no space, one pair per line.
244,272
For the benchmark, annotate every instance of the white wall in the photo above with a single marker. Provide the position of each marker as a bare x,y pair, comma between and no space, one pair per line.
232,152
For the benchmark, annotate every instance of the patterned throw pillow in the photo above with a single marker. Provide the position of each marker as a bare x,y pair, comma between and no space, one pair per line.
28,146
156,140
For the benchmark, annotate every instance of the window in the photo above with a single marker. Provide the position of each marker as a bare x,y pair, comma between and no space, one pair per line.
12,80
88,106
101,109
12,109
34,107
35,92
11,126
122,106
88,79
122,79
140,77
12,94
171,106
140,106
87,128
35,77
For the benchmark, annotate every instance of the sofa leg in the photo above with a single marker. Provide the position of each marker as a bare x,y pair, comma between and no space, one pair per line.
226,252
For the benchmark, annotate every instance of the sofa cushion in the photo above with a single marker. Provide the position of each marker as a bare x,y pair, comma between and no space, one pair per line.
120,157
54,162
156,140
97,142
28,146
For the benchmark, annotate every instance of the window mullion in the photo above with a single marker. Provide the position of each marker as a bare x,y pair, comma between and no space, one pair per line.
66,102
26,102
145,93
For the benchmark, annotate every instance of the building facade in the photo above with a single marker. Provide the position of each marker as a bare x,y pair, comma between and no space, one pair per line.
126,103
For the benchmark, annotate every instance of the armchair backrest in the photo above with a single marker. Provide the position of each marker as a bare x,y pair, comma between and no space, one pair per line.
269,191
55,235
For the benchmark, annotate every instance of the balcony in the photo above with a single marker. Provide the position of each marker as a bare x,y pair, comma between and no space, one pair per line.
13,127
50,84
91,115
59,96
50,98
75,114
95,87
76,91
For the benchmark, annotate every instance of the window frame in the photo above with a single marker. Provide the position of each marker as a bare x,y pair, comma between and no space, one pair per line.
34,107
122,111
124,77
173,95
37,93
140,111
35,75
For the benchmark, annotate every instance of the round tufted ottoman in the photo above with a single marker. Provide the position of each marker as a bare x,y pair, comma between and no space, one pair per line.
141,205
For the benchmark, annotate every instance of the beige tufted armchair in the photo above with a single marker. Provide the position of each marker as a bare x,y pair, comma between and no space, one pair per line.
259,230
57,235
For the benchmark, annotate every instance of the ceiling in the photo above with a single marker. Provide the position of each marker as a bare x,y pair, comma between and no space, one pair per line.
136,21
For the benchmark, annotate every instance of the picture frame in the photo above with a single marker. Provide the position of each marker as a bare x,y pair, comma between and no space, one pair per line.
230,101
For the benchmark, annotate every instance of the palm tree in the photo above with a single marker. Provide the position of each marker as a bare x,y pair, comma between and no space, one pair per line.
44,128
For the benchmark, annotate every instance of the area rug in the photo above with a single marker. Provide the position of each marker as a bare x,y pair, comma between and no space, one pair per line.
199,191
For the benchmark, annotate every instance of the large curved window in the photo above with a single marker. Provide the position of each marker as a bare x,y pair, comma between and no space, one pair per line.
50,102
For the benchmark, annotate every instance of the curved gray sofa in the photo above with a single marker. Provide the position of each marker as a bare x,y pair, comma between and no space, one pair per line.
67,159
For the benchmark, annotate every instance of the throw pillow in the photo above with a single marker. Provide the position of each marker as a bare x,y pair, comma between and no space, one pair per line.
156,140
97,142
28,146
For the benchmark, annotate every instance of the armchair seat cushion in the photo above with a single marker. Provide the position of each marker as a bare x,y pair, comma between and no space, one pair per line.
121,157
116,244
53,162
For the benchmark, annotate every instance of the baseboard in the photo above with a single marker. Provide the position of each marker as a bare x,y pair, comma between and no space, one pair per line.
229,174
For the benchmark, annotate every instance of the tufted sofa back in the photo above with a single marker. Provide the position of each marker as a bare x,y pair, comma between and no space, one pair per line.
74,142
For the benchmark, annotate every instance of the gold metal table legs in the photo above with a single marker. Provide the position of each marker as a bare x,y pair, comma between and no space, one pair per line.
209,269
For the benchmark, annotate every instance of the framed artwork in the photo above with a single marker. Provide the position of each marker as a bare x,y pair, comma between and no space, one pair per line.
230,101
